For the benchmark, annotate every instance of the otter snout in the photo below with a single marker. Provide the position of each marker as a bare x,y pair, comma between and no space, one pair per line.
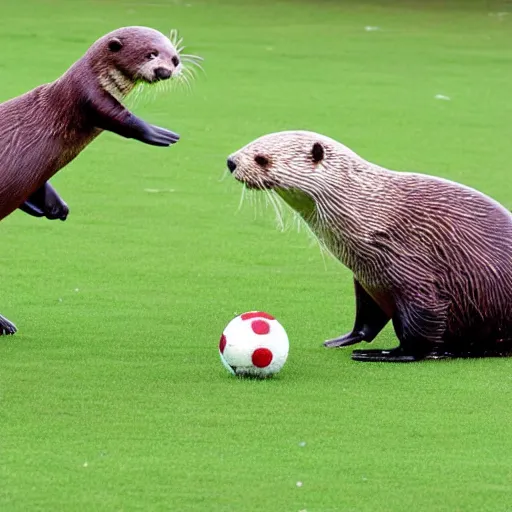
231,165
162,73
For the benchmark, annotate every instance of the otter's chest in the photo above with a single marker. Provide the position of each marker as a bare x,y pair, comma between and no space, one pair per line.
356,253
368,266
72,144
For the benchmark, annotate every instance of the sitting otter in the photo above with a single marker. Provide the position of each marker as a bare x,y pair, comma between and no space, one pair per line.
431,255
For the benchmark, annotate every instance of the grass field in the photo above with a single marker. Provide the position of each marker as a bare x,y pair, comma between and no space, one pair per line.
112,395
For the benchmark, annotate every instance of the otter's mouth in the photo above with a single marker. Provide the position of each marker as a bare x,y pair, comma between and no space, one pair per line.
258,185
297,199
159,75
257,182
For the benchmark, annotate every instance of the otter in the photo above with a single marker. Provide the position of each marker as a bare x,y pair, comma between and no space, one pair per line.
44,129
431,255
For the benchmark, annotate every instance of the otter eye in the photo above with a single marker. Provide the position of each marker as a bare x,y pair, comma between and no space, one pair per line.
317,153
175,61
152,55
114,45
261,160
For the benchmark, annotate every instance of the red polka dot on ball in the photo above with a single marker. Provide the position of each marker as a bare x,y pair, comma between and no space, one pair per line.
260,327
222,344
262,357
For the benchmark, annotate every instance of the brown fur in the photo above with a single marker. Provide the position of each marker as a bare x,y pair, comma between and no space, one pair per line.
433,256
46,128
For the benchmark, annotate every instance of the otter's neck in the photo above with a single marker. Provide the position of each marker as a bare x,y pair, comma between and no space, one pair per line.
299,201
116,83
349,213
92,73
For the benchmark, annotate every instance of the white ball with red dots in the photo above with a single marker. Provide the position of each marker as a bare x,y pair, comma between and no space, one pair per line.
254,344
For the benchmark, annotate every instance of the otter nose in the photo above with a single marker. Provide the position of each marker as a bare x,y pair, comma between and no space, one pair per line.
162,73
231,165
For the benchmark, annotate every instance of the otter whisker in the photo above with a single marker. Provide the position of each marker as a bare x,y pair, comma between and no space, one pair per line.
166,86
281,207
177,81
242,198
279,218
259,201
267,199
189,67
312,225
193,60
184,80
177,42
144,91
191,71
297,220
193,65
225,174
173,37
186,70
250,196
191,57
133,98
255,200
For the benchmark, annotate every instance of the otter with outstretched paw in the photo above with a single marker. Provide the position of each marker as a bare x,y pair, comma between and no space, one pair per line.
431,255
46,128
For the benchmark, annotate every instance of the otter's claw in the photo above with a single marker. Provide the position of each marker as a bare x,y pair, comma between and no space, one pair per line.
6,328
59,211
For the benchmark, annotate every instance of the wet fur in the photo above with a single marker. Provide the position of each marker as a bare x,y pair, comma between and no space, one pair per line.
432,255
44,129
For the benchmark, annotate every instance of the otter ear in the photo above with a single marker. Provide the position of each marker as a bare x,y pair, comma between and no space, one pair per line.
317,152
115,44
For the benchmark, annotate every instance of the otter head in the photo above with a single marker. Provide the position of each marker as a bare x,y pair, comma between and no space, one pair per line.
299,166
131,55
142,54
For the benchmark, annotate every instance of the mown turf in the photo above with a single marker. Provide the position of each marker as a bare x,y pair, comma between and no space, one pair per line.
112,395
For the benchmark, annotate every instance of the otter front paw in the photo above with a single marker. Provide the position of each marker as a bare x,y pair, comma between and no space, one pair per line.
344,341
157,136
6,328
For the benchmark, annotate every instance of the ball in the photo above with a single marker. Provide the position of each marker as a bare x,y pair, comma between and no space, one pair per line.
254,344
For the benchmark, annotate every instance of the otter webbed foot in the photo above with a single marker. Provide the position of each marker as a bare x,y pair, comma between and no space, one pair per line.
344,341
45,202
395,355
398,355
6,328
156,136
419,331
370,320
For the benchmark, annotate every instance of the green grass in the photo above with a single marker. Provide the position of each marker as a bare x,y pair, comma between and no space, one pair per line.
112,397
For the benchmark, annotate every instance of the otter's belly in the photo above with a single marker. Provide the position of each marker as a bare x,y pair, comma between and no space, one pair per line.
30,156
